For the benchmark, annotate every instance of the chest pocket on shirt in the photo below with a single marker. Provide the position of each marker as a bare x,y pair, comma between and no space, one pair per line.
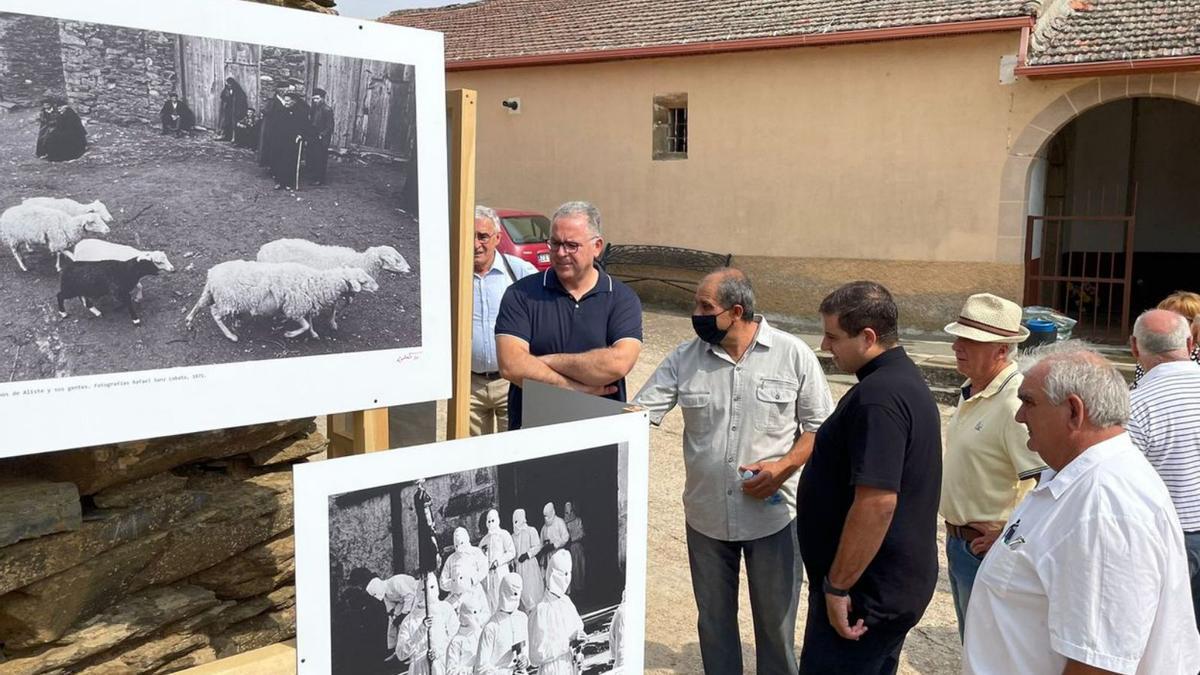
697,414
775,404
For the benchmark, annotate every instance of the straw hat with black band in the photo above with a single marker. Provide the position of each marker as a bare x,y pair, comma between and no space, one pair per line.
989,318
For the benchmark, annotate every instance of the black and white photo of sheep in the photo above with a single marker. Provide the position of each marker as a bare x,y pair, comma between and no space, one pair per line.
512,518
180,247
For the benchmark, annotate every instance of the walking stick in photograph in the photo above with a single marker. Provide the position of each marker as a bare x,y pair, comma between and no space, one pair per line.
299,157
431,596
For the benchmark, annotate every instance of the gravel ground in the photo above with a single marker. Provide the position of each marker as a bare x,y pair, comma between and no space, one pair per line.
671,645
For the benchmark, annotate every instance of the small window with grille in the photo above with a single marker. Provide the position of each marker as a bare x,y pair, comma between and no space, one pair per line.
670,127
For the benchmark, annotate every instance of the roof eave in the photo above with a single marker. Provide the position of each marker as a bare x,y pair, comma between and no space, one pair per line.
1099,68
751,44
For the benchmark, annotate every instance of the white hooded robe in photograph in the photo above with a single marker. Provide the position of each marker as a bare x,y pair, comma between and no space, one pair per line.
460,655
465,569
504,645
497,545
554,530
527,543
414,640
398,594
555,622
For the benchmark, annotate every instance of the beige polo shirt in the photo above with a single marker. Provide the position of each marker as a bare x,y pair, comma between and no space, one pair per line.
987,464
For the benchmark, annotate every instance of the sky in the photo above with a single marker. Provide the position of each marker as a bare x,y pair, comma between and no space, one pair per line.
373,9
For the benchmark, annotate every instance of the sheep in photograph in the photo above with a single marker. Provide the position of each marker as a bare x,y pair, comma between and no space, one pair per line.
89,280
296,291
324,257
71,207
90,250
26,225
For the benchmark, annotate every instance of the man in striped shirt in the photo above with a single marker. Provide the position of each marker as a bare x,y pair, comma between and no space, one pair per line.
1164,420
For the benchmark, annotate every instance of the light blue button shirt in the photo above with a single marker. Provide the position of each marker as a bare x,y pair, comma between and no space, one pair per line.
488,289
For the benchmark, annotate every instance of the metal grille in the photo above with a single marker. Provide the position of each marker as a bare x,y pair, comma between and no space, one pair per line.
1088,283
677,130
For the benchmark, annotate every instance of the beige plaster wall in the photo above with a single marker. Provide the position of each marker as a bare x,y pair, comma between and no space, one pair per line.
889,151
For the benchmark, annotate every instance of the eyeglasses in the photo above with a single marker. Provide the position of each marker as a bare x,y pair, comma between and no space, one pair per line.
571,247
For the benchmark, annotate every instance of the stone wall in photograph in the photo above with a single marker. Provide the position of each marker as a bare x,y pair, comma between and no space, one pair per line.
279,67
117,74
150,556
30,65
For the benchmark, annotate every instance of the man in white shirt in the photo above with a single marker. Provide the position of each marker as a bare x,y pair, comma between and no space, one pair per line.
1164,419
494,273
753,397
1090,573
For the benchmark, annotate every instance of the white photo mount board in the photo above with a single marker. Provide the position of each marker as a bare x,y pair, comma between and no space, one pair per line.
316,482
69,412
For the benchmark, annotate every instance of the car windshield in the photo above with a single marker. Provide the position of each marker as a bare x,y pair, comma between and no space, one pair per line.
527,229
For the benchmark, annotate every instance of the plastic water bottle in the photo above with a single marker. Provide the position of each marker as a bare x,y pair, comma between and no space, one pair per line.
776,498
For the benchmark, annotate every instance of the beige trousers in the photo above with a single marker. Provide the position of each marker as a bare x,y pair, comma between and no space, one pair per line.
489,405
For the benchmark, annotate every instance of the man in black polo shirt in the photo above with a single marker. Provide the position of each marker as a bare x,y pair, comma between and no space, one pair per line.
867,502
572,326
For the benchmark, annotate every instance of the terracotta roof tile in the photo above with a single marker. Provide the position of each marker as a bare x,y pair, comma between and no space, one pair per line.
507,28
1082,31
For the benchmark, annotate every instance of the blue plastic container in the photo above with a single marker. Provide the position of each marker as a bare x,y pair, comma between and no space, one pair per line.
1041,332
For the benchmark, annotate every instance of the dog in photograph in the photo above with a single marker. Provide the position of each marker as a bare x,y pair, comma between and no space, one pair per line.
90,280
298,292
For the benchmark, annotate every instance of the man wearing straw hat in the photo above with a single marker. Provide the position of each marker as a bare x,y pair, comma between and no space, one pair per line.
987,467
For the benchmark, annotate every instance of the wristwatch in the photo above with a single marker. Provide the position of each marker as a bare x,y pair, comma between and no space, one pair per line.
830,589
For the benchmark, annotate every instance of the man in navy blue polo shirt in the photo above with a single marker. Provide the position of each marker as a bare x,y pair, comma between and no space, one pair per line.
572,326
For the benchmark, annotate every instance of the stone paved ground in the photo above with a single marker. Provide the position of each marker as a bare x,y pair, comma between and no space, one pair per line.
671,647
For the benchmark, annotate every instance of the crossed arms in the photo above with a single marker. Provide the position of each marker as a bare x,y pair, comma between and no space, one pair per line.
592,372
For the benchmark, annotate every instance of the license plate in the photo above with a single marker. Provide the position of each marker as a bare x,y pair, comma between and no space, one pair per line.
543,257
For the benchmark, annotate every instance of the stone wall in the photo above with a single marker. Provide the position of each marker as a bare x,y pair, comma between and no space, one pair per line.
280,67
150,556
29,59
117,74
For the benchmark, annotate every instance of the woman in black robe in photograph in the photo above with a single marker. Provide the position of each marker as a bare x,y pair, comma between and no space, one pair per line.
233,109
61,136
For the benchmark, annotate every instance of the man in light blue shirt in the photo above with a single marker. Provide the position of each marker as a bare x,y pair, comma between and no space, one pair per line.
494,273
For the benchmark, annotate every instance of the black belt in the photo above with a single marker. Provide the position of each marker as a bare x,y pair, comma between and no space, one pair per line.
492,375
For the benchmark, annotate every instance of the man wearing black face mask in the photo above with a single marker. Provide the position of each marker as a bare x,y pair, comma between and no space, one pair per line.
752,399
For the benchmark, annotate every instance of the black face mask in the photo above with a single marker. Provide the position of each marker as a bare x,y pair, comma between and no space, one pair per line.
706,329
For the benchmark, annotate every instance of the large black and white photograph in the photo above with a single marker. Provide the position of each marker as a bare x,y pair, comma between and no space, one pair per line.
514,567
174,200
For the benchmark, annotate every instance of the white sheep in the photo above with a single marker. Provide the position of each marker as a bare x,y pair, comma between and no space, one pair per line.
71,207
296,291
325,257
91,250
26,225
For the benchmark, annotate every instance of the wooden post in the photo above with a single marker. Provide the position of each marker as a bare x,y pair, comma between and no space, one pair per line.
357,433
276,659
460,119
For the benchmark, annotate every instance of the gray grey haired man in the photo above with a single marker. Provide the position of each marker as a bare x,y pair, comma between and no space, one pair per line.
752,398
494,273
1164,420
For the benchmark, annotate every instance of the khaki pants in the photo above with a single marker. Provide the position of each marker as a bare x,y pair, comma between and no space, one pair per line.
489,405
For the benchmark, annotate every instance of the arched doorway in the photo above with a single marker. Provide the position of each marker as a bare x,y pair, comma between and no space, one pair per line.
1112,209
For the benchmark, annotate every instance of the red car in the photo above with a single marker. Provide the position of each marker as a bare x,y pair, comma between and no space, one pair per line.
524,234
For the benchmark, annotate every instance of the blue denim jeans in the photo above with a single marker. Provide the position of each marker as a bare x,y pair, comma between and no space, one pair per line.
774,573
963,566
1191,543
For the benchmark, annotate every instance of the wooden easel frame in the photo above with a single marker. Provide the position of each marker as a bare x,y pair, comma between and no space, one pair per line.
367,430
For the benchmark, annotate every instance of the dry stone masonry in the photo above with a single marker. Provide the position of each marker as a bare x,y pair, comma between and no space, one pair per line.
150,556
